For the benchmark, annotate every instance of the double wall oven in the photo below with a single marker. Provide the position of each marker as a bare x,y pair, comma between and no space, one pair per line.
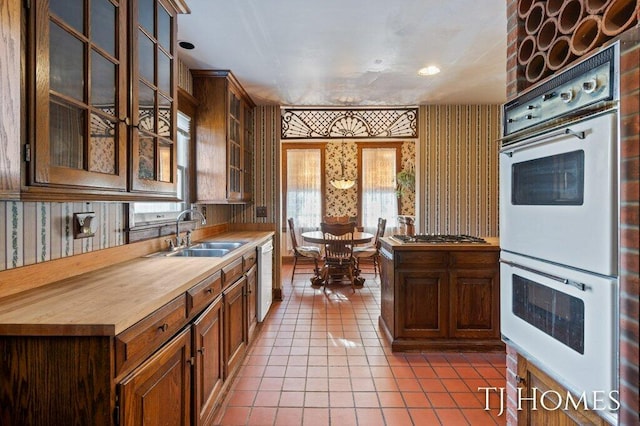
559,225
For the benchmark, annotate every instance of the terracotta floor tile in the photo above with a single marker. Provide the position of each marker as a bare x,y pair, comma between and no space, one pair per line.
369,416
482,417
432,385
341,399
291,399
385,384
294,384
416,399
288,417
467,400
339,385
317,384
445,372
241,398
271,383
424,416
363,384
390,399
235,416
455,385
321,359
441,400
397,417
315,417
366,399
262,416
449,416
275,371
267,399
409,385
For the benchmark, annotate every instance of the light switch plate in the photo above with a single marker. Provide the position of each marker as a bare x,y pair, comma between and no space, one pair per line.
261,211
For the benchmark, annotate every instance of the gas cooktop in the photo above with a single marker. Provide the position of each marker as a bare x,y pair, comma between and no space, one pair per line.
438,238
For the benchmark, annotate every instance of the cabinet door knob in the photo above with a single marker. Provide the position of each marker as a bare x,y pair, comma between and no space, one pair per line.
201,350
209,290
519,380
164,327
126,121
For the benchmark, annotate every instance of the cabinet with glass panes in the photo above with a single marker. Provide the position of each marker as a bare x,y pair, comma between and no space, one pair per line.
102,99
224,138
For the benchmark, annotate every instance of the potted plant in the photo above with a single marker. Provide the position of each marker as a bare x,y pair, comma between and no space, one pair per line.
405,181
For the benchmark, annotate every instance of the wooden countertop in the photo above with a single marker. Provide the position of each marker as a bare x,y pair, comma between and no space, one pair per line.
493,244
109,300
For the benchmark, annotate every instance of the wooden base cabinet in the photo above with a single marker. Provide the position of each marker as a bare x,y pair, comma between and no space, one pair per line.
159,391
235,325
440,300
535,383
208,335
252,294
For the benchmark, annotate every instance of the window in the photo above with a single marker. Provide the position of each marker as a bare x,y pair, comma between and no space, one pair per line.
149,212
303,181
378,166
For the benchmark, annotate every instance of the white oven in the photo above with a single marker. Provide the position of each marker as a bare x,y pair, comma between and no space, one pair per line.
559,226
564,319
558,198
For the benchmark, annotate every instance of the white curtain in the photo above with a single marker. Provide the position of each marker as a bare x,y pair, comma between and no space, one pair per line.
379,188
304,186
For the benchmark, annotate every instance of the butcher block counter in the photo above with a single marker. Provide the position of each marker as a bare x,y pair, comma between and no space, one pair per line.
441,296
157,336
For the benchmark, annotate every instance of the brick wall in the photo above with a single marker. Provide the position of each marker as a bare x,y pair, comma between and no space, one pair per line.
629,217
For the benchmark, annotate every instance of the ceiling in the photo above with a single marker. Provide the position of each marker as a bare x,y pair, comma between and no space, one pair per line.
352,52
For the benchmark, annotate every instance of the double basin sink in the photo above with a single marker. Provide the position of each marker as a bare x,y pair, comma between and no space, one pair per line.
204,249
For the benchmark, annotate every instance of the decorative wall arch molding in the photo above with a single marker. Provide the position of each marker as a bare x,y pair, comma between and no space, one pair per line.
339,123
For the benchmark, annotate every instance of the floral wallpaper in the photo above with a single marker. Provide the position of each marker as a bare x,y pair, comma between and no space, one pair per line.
344,202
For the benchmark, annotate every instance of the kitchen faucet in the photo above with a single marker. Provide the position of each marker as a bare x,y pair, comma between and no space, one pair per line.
174,245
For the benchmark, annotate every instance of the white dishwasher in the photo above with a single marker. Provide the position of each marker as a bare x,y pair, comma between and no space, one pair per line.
265,279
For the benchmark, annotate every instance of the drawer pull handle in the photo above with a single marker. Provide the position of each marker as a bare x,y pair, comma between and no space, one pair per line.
209,290
164,327
519,380
201,351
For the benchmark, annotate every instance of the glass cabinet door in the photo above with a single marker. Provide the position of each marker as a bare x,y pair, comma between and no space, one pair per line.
234,152
248,145
79,136
153,149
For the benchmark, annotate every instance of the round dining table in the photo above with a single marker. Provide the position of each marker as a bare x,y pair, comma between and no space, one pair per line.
317,237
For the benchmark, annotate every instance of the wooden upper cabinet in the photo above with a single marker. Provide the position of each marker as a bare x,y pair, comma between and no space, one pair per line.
101,118
224,138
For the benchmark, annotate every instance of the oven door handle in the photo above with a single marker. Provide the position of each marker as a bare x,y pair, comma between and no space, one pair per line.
566,281
510,149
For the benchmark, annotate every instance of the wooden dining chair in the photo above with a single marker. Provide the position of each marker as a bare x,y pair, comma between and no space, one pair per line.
336,219
371,252
338,252
303,253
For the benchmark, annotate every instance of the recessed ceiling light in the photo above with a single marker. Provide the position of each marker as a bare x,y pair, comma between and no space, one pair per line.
186,45
430,70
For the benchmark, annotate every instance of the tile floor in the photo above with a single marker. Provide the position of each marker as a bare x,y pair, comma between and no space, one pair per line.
320,359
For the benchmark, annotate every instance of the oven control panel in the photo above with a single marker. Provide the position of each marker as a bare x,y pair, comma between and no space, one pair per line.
588,83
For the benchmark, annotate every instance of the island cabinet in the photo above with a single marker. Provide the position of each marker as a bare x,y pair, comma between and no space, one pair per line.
224,138
438,298
100,100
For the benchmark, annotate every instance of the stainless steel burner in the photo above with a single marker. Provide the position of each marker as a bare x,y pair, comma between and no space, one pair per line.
438,238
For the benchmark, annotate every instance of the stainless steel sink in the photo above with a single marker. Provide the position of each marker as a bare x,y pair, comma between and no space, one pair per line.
199,252
228,245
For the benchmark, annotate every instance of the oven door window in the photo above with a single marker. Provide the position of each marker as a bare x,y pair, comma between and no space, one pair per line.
549,181
558,314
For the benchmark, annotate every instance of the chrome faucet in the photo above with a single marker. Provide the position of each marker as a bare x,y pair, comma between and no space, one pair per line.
174,246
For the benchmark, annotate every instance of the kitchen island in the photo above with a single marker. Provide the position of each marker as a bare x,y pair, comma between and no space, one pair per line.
440,296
